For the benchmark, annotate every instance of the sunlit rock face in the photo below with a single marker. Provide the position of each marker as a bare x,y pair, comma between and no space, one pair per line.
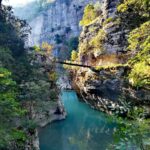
107,89
59,21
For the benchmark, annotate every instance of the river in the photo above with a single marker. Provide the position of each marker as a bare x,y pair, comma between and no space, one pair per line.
83,129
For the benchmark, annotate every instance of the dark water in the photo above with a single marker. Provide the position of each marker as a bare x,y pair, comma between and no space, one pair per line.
84,128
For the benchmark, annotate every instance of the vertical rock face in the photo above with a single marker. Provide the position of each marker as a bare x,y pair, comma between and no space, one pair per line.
60,20
115,35
37,25
116,40
107,89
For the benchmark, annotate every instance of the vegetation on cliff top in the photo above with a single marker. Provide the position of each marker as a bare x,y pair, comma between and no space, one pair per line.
136,15
134,12
91,12
139,41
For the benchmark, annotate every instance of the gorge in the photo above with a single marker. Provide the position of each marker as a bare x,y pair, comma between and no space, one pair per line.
102,102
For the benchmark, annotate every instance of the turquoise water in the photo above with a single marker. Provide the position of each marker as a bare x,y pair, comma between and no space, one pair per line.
84,128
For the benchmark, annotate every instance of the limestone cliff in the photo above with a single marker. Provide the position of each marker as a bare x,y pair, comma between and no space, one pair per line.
57,24
60,18
102,45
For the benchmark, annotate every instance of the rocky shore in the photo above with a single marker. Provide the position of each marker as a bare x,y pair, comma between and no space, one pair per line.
48,112
44,113
109,91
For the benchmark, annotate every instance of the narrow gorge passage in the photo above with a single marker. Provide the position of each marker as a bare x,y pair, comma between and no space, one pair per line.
83,129
88,129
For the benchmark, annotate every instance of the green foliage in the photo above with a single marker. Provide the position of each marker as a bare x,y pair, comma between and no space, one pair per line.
53,95
98,40
83,47
53,76
108,20
140,75
91,12
29,124
74,55
140,6
139,41
109,67
96,43
19,137
41,79
13,31
6,53
134,12
131,133
9,107
138,36
37,48
26,82
8,95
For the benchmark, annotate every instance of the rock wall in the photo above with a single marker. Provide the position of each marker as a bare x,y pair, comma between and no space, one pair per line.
59,20
107,89
115,41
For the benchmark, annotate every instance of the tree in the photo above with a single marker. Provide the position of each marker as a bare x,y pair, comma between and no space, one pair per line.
47,48
13,31
139,42
91,12
74,55
134,12
9,108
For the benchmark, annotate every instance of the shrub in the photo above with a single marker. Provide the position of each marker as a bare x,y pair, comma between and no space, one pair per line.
47,48
140,75
53,76
83,47
90,13
139,41
74,55
98,40
134,12
138,36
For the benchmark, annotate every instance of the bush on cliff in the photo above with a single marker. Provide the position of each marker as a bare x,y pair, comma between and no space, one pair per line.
135,15
74,55
134,12
140,42
98,40
91,12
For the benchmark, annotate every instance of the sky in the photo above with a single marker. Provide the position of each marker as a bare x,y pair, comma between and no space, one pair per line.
17,2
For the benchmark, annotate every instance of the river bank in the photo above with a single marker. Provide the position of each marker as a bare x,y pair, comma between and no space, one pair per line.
45,113
88,129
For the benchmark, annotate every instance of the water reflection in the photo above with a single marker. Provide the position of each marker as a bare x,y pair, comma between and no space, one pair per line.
86,129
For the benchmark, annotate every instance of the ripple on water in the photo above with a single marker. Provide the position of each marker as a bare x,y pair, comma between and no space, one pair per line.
84,128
